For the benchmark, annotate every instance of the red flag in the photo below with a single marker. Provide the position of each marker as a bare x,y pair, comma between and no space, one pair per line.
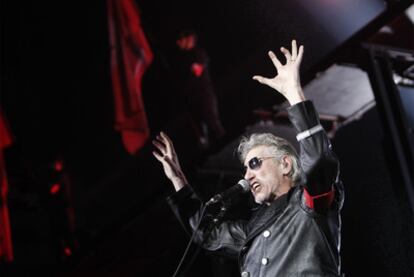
6,247
130,57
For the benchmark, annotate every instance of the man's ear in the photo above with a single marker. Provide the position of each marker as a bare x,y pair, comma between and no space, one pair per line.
286,165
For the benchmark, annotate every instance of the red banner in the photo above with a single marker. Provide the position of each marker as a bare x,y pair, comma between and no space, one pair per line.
6,247
130,57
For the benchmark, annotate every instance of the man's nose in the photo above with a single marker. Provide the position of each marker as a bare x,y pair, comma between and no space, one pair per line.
249,174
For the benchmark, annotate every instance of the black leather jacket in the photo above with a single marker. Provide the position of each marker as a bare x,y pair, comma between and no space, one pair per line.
289,237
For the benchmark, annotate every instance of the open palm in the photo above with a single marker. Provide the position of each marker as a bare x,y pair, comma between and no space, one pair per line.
287,80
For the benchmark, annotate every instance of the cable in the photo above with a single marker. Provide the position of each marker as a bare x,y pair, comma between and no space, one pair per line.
189,244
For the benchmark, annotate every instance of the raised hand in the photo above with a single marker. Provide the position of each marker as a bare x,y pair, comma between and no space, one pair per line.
287,80
169,160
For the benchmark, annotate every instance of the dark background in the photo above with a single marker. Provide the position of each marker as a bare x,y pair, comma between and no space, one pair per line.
56,94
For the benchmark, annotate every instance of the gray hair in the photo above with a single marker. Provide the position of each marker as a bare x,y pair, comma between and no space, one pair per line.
278,146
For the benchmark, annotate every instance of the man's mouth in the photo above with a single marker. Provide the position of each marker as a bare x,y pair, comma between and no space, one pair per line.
255,187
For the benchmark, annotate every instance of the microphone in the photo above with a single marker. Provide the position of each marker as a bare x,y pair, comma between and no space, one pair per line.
241,187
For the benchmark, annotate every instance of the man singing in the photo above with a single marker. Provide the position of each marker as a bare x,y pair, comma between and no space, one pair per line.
296,232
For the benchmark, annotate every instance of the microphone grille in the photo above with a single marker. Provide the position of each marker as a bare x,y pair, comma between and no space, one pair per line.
245,185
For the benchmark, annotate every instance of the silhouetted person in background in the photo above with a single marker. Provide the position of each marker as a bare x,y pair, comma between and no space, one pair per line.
193,76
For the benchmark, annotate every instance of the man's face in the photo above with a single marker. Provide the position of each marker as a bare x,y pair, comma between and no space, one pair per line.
181,43
187,42
266,177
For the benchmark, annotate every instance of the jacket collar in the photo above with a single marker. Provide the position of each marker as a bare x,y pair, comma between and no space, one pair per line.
266,215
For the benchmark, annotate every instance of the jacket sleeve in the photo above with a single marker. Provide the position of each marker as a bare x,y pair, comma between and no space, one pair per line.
318,161
227,237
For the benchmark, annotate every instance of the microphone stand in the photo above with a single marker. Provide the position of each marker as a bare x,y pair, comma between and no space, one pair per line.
213,223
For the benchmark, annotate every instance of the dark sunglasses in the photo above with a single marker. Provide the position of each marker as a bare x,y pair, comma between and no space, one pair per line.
255,163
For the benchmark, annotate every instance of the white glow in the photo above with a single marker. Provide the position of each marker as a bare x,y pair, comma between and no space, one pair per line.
410,13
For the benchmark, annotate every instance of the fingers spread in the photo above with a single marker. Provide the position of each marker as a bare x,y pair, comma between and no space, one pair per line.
275,60
157,156
286,53
300,54
294,50
261,79
159,145
167,138
168,142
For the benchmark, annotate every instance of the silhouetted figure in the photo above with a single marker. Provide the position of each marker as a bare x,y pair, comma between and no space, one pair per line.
191,68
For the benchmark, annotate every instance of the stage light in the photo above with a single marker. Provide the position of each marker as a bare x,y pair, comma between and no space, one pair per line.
58,165
55,188
68,251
